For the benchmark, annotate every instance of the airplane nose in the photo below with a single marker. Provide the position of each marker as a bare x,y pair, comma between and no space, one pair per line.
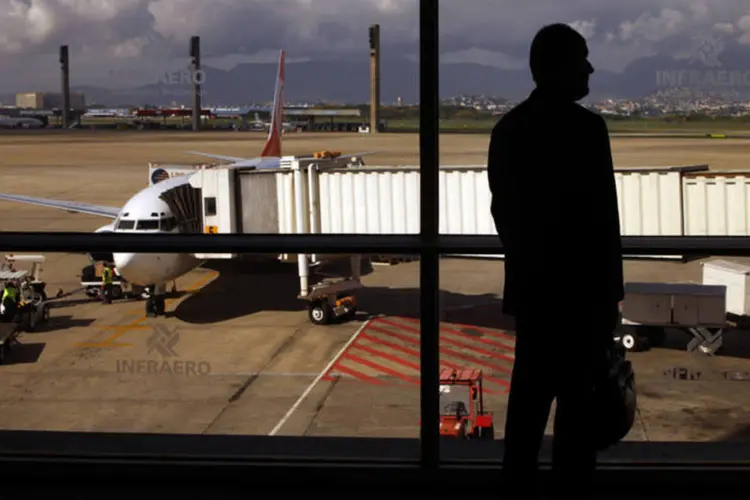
122,261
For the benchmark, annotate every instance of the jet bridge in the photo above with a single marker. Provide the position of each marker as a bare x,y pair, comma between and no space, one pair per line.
185,203
283,200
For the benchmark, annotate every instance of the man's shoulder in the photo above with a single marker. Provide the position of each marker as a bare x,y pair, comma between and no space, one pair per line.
512,118
587,116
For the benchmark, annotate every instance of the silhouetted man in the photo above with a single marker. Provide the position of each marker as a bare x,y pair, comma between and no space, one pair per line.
554,203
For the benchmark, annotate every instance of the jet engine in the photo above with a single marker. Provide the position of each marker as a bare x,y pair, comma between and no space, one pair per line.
103,256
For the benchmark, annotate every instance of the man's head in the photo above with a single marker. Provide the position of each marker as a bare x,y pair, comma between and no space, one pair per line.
559,62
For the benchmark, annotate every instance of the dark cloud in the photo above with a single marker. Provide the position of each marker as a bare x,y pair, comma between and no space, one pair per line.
144,38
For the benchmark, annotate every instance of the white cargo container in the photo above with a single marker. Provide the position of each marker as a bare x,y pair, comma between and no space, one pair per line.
699,310
678,304
736,278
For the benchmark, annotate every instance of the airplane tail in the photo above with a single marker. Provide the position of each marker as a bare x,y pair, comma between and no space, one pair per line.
272,147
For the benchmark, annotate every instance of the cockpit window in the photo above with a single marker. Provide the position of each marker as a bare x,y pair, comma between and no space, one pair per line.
126,224
147,225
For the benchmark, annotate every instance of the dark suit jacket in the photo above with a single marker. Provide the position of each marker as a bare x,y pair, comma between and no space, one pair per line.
554,202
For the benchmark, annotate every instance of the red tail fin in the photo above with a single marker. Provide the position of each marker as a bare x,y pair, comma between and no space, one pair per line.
273,143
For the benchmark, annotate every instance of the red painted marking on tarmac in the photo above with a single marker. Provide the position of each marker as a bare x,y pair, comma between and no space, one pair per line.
491,333
491,354
460,334
381,368
414,353
444,363
385,355
354,373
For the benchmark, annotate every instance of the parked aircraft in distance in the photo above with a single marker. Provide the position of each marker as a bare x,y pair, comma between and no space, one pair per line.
9,122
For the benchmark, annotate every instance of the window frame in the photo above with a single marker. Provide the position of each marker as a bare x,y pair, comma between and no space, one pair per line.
428,243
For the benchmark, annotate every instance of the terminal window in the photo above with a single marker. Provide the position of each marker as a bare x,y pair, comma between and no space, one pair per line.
210,208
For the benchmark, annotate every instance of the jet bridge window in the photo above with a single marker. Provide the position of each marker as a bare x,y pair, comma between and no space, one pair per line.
126,224
148,225
210,206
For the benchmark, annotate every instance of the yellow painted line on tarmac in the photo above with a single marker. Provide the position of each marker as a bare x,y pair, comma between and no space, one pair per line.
120,330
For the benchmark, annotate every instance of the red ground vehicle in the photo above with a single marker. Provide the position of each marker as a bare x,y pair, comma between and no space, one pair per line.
462,412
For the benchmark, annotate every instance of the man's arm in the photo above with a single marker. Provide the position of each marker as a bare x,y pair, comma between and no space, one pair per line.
611,208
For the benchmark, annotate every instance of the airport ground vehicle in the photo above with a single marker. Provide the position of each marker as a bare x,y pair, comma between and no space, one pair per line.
462,413
34,305
325,307
91,281
32,287
333,298
26,319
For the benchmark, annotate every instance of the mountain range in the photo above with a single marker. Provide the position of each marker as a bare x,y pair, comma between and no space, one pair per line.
347,82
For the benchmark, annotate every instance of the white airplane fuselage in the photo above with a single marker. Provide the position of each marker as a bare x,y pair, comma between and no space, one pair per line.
146,212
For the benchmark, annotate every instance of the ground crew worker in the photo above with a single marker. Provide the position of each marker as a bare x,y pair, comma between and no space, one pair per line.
107,279
10,301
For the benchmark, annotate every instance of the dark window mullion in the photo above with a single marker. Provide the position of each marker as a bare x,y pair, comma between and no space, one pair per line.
429,130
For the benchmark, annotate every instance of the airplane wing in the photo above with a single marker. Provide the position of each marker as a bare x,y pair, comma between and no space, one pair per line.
344,157
233,159
261,163
273,163
70,206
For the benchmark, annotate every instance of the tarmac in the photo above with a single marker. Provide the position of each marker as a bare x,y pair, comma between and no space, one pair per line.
236,353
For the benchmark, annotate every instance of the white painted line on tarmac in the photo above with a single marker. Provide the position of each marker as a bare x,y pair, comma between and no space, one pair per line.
315,382
268,374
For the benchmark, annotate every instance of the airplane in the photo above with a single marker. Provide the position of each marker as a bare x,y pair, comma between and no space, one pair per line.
257,124
105,113
8,122
146,212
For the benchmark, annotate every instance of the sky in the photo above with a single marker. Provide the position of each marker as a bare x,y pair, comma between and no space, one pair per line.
121,43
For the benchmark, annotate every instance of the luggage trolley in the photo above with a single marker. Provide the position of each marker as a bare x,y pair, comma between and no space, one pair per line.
650,308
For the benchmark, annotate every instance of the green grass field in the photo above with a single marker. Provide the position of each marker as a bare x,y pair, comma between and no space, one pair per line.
636,126
692,128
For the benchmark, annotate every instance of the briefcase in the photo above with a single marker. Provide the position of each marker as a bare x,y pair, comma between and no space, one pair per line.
615,401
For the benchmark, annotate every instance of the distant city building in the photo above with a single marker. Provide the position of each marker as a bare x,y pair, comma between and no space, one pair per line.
47,100
30,100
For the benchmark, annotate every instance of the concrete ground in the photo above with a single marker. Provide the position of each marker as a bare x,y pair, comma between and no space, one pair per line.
237,355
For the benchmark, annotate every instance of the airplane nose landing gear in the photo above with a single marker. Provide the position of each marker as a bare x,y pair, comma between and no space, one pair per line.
155,301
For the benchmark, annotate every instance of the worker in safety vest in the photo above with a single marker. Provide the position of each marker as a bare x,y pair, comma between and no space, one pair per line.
10,300
107,278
